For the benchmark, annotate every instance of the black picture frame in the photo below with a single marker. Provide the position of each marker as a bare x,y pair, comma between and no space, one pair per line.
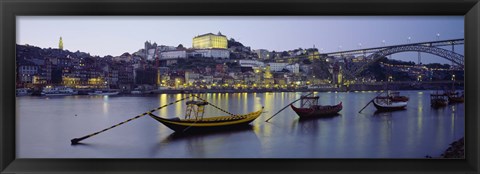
11,8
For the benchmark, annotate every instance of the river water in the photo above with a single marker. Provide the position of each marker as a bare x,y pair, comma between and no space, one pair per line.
45,126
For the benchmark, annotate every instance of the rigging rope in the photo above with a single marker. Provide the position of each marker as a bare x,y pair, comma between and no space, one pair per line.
216,107
76,140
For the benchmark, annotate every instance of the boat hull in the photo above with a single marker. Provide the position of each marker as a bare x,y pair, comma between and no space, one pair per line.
208,124
58,94
326,111
399,99
438,103
393,107
105,93
456,99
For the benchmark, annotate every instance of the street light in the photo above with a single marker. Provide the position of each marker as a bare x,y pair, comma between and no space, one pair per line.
438,36
409,39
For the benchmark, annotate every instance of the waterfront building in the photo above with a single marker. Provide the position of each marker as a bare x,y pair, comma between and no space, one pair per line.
70,81
174,54
191,77
125,77
277,67
209,41
96,83
146,76
110,74
207,79
268,73
26,71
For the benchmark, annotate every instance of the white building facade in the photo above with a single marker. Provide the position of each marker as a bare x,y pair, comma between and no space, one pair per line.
176,54
250,63
294,68
212,53
276,67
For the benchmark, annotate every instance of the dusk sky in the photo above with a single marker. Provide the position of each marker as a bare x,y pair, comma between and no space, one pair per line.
116,35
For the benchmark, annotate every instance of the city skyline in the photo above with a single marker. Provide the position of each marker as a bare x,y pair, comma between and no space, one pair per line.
116,35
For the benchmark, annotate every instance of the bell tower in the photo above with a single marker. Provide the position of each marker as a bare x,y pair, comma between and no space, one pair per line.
60,44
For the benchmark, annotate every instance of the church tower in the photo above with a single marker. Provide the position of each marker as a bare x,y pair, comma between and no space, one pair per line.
60,44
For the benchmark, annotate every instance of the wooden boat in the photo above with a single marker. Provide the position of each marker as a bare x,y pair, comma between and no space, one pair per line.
438,100
206,124
318,111
454,97
195,122
384,103
310,108
396,97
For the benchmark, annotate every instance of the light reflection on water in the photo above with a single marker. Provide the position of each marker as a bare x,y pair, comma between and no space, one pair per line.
413,133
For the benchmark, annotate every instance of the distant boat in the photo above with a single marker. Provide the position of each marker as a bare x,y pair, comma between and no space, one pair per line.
455,97
136,92
104,93
310,108
58,91
385,103
438,100
22,92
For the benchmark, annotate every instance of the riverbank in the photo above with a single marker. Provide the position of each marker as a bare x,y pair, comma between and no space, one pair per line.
187,91
456,149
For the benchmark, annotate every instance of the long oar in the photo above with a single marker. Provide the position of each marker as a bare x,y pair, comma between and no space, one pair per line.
370,102
287,106
76,140
366,105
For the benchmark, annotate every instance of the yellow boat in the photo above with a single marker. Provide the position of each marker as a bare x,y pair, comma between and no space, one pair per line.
198,123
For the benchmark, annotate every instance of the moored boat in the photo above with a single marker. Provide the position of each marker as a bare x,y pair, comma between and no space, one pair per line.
23,91
384,103
438,100
208,124
194,121
310,108
58,91
455,97
104,93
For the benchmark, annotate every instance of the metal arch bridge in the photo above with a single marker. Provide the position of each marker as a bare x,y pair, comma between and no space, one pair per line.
379,52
